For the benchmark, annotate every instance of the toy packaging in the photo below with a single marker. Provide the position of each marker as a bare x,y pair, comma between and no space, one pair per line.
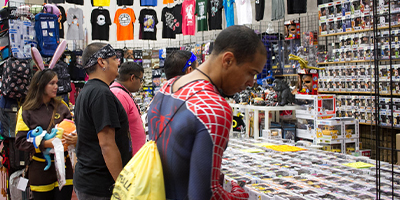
365,21
331,26
356,54
349,54
338,24
355,7
349,41
384,20
331,13
395,36
395,51
385,52
364,37
292,29
322,13
338,8
336,55
346,8
356,40
347,23
356,23
342,40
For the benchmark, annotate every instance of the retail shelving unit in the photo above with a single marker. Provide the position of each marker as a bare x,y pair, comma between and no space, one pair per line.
385,143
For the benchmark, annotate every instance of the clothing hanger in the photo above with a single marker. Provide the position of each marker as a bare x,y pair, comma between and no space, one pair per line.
100,7
124,7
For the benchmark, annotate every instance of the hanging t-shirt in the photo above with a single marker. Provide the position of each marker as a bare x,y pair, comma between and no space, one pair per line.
243,10
260,7
148,21
169,23
148,3
100,3
101,22
296,6
188,19
215,14
201,12
55,1
78,2
278,9
178,17
75,24
229,12
167,1
125,2
124,18
62,18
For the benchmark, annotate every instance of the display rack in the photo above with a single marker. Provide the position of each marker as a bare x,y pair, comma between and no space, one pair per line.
385,145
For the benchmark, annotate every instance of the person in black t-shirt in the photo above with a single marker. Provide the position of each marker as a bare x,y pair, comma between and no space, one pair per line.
101,22
102,127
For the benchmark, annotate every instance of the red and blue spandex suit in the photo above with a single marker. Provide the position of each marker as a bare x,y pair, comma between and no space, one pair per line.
192,144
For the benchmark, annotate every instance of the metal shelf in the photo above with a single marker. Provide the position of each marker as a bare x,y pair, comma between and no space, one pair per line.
358,31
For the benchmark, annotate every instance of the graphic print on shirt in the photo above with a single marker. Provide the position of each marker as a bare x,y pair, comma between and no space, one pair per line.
75,20
101,20
124,19
189,15
201,15
170,21
214,7
148,23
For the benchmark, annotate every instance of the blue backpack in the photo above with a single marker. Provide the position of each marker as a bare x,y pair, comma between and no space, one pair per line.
47,33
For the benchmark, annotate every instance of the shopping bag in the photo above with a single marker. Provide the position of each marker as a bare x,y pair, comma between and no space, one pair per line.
142,178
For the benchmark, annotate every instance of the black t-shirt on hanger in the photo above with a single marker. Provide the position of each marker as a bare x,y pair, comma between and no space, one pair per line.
63,19
178,17
260,7
296,6
101,22
78,2
169,23
148,21
125,2
215,14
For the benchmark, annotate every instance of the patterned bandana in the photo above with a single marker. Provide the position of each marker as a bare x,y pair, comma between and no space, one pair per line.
104,53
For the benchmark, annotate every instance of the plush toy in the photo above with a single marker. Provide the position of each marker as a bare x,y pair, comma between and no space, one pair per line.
38,135
66,127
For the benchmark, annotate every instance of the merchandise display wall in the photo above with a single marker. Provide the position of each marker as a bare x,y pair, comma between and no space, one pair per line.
160,42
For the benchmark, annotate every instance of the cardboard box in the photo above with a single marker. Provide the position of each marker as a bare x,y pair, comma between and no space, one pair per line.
398,148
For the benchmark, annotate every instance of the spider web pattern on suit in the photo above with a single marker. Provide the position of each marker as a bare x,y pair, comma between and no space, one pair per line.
216,115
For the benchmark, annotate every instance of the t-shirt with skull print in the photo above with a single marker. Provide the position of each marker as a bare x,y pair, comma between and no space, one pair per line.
124,18
101,22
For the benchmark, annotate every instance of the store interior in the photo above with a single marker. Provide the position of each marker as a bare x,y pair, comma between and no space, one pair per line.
322,120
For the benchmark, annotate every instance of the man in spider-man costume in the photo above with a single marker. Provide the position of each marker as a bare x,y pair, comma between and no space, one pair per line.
190,120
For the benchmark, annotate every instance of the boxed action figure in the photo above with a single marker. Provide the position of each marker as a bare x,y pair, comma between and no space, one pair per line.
356,23
355,7
322,13
346,8
338,25
338,8
331,13
331,26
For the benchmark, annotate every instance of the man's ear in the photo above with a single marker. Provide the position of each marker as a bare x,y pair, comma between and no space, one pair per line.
189,69
228,59
101,62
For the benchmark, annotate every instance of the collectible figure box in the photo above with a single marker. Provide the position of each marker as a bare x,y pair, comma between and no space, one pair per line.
331,26
331,13
329,129
323,29
365,21
338,24
350,128
319,105
346,7
338,8
272,134
356,23
355,7
322,13
347,23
